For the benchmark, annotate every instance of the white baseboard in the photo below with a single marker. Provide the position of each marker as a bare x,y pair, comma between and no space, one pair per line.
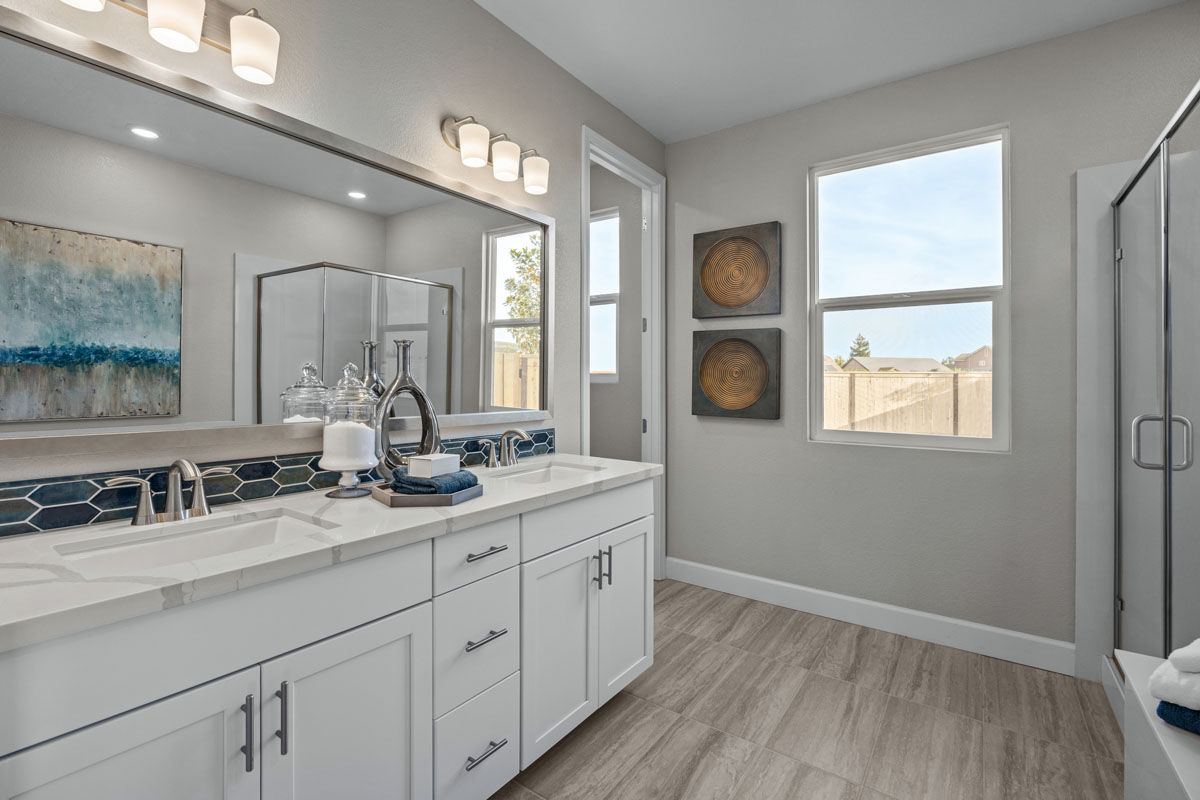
1023,648
1114,688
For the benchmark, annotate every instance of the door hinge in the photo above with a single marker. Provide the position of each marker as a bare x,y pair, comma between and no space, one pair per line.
1120,604
643,324
1120,254
643,426
645,224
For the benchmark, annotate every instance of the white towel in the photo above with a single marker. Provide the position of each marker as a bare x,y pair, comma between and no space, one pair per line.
1180,688
1187,659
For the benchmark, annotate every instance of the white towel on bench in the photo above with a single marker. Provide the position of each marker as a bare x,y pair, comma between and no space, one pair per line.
1180,688
1187,659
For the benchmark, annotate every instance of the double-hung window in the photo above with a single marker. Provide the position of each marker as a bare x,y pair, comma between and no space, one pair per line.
604,267
512,324
909,296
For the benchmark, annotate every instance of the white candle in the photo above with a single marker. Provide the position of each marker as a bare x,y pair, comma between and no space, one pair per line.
348,446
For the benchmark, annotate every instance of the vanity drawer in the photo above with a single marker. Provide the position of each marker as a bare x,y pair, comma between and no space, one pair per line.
466,556
486,617
486,729
555,527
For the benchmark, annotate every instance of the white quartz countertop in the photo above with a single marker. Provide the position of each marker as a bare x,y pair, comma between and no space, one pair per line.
53,584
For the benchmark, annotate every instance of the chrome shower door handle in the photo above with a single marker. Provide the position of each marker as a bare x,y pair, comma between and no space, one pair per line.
1188,442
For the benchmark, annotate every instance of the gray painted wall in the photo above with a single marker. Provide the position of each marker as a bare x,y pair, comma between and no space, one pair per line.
983,537
616,407
385,73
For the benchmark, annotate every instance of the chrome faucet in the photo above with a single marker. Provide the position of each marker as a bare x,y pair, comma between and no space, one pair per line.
490,444
431,438
508,445
180,471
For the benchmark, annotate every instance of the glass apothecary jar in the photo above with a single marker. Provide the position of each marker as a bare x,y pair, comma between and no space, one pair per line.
349,432
304,400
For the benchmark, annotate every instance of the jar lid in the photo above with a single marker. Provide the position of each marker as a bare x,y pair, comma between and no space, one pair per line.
350,389
309,384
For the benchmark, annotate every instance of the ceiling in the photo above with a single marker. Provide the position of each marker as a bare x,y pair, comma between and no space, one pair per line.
46,88
683,68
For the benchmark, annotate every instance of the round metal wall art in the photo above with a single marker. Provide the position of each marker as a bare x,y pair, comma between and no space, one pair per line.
734,272
733,374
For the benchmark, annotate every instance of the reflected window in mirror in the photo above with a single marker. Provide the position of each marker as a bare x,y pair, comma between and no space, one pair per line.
604,290
513,323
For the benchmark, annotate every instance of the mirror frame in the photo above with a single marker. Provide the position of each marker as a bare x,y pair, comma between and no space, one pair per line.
38,455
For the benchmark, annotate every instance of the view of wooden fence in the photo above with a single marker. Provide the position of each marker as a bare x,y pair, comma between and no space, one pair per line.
516,380
947,403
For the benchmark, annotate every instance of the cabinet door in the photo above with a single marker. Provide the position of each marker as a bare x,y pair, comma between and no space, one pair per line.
187,747
558,645
626,605
352,716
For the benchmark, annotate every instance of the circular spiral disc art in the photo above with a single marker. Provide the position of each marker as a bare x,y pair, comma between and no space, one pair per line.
734,271
733,374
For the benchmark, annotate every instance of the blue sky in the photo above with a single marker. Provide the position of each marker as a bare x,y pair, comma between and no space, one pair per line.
919,224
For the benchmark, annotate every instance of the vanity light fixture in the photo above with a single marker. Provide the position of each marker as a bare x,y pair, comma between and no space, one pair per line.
254,46
176,23
86,5
356,195
478,148
144,133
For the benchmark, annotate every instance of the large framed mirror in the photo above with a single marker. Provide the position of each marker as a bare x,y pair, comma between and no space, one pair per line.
171,259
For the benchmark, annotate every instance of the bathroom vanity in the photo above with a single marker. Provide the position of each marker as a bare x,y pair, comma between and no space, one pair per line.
309,648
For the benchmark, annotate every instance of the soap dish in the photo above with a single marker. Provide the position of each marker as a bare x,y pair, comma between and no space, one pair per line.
392,499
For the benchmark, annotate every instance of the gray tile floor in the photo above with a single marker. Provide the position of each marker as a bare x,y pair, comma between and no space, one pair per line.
749,701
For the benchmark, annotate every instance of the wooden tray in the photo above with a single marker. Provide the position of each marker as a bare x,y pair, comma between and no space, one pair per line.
384,494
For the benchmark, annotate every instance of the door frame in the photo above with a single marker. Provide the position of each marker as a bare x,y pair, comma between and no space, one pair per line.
599,150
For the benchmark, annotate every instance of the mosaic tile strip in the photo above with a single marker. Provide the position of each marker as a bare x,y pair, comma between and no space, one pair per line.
50,503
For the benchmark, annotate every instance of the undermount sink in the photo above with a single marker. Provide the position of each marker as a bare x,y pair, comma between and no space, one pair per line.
547,473
190,540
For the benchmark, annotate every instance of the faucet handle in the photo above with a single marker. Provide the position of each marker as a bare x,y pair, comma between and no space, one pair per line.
491,445
144,515
199,507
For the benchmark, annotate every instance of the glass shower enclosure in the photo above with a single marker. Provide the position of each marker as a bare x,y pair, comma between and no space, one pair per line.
1156,256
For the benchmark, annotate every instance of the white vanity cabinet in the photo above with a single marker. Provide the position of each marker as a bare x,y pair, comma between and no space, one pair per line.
352,711
187,747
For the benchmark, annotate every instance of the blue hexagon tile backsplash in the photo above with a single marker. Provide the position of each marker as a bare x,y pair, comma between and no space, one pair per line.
49,503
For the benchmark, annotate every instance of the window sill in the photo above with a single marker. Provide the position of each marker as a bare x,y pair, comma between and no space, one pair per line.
914,441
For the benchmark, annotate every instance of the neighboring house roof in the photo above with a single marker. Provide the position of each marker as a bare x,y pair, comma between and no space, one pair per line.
974,352
874,364
831,365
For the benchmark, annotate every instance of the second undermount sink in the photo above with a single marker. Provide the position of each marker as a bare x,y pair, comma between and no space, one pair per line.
169,543
548,473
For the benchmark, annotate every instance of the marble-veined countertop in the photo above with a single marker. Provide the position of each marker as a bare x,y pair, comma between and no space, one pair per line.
47,590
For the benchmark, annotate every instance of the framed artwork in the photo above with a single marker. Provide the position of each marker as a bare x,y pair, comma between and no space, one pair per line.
735,272
89,325
735,373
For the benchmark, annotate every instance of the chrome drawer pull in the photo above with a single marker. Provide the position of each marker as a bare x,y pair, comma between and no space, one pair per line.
491,551
472,763
491,637
248,747
285,692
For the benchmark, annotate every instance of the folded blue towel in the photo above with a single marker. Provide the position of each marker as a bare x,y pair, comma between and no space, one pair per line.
404,483
1179,716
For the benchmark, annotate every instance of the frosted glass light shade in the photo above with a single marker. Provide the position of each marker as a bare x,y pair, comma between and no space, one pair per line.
176,23
537,175
506,160
86,5
255,47
473,142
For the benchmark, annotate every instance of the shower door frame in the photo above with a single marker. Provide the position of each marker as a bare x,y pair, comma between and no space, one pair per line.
1161,150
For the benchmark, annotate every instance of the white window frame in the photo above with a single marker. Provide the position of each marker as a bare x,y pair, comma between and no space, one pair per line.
999,296
613,299
490,322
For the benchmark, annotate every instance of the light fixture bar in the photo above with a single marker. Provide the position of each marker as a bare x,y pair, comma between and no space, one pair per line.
215,32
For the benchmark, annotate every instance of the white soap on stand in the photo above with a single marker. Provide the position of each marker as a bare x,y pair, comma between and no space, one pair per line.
432,465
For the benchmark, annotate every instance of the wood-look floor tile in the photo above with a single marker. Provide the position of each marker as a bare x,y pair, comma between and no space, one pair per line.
775,777
855,654
870,794
515,791
789,635
684,668
939,676
1020,767
1035,702
684,607
664,589
728,617
691,762
594,757
831,725
924,753
1107,739
1112,778
749,698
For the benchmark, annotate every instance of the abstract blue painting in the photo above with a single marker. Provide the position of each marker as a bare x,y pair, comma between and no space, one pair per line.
89,325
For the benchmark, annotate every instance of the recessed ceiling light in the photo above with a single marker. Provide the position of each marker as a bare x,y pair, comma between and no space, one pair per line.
145,133
356,195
